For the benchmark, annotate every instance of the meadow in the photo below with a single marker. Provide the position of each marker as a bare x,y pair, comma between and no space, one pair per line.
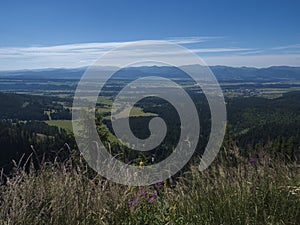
244,191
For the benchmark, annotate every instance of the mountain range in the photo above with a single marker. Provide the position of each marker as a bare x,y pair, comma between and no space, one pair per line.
222,73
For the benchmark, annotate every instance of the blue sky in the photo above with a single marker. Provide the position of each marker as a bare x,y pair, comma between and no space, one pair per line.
40,34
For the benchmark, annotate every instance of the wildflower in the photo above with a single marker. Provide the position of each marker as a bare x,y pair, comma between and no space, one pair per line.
142,191
133,202
152,197
231,152
150,200
141,164
159,184
252,161
232,155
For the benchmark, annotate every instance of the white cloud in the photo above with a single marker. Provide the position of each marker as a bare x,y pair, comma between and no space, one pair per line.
220,50
286,47
192,40
84,54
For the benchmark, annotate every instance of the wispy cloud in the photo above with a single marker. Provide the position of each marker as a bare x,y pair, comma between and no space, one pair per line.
95,48
220,50
192,40
60,49
91,48
286,47
84,54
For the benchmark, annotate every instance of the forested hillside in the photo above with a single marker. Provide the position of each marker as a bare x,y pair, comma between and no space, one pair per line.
253,123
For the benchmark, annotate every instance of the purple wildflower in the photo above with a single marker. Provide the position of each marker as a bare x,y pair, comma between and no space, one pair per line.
142,191
159,184
252,161
152,197
133,202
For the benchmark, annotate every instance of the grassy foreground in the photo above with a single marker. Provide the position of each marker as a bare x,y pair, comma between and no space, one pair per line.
260,191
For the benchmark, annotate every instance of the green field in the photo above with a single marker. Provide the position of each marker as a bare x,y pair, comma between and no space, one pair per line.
64,124
134,112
